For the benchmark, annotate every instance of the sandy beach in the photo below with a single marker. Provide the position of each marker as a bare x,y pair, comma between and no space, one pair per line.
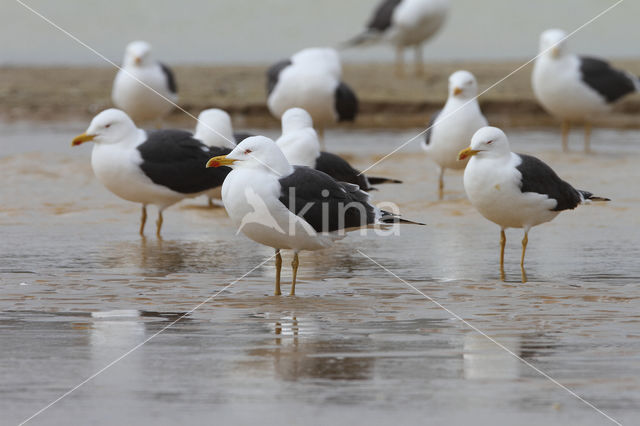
73,93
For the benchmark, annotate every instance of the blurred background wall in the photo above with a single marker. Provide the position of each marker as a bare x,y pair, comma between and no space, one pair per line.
260,31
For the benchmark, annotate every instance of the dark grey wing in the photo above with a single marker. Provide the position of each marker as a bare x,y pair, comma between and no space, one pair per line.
427,134
240,136
609,82
326,204
381,19
273,73
540,178
346,103
173,158
171,80
339,169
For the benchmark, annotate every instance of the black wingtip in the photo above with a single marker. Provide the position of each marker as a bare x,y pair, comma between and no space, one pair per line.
589,196
393,218
376,180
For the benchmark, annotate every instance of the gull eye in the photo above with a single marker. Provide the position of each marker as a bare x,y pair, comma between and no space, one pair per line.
490,142
106,126
247,151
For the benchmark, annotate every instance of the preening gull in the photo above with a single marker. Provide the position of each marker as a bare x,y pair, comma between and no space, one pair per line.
299,143
576,88
311,79
514,190
451,128
404,23
143,103
291,207
158,168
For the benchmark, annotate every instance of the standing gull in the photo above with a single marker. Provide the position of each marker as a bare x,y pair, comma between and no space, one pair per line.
291,207
311,79
451,128
404,23
299,143
159,168
140,102
576,88
514,190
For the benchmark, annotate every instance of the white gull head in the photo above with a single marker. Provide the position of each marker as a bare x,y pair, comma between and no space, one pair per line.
138,53
260,152
111,126
490,142
214,128
553,43
463,85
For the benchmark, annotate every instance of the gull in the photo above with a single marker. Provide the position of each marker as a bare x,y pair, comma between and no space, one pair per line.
311,79
301,208
149,101
404,23
159,168
514,190
576,88
451,128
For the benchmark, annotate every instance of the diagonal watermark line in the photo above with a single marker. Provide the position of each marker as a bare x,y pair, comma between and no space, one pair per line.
398,148
500,345
109,61
139,345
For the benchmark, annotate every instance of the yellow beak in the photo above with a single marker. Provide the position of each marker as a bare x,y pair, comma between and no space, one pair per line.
466,153
456,91
220,160
138,60
555,52
80,139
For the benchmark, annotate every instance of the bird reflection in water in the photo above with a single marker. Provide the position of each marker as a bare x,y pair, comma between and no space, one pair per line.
297,354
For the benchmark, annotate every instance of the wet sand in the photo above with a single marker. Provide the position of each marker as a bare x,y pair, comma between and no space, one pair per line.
79,288
75,93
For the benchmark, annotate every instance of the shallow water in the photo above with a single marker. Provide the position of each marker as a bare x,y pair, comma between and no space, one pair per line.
79,289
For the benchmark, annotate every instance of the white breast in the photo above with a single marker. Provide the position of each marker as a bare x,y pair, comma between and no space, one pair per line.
414,21
558,87
251,199
138,101
308,89
452,132
493,188
117,168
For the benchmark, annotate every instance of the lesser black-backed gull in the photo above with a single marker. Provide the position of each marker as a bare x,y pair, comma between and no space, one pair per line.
291,207
140,102
311,79
159,168
576,88
514,190
451,128
404,23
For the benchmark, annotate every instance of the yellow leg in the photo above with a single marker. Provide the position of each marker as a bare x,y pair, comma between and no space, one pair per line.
441,185
525,240
419,62
294,265
566,126
143,219
278,269
399,61
159,223
587,138
503,242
